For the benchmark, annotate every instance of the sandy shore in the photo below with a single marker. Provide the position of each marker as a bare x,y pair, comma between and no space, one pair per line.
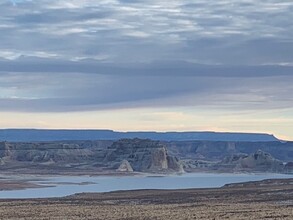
270,199
17,185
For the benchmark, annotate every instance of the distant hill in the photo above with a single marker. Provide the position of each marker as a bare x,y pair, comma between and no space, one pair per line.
28,135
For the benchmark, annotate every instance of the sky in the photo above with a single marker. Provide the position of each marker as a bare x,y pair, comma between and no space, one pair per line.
159,65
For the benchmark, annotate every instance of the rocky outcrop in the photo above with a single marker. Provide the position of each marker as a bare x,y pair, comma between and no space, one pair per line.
45,152
175,164
218,150
143,155
125,167
261,160
288,168
258,161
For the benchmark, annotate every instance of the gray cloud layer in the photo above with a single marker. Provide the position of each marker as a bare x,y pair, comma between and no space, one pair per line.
60,55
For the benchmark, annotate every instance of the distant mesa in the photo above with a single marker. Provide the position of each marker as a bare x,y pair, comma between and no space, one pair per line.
33,135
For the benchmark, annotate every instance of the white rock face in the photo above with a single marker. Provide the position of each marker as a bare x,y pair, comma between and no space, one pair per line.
125,167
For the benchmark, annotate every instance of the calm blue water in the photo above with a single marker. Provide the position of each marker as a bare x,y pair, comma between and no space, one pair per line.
106,184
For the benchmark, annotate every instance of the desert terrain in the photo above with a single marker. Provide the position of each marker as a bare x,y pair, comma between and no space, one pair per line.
268,199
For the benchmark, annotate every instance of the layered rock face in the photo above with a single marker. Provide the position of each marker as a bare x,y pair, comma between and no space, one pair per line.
289,168
126,155
45,152
143,155
258,161
261,160
217,150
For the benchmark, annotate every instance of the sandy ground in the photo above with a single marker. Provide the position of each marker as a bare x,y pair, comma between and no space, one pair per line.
258,200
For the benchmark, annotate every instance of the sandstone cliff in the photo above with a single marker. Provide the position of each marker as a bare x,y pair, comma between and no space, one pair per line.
143,155
217,150
259,161
147,156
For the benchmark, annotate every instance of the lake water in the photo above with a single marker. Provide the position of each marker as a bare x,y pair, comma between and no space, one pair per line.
68,185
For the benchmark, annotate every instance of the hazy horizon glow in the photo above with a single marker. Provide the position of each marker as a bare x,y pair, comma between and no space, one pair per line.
147,65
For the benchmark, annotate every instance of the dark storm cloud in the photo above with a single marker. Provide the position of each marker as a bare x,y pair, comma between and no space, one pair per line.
91,91
89,55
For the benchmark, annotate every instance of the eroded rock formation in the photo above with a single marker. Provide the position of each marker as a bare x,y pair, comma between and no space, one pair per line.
143,155
258,161
125,167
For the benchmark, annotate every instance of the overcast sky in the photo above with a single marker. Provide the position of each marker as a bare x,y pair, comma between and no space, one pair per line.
147,65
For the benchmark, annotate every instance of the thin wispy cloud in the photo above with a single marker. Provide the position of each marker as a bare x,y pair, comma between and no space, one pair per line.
151,30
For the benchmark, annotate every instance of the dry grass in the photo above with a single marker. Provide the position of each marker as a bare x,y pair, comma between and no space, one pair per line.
31,210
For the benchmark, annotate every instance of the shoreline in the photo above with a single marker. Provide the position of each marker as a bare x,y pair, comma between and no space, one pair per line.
11,182
260,200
